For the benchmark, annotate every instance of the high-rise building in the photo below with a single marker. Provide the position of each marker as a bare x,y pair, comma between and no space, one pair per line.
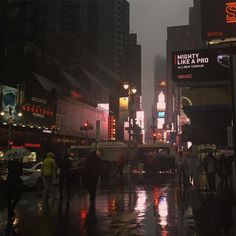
192,95
132,63
178,38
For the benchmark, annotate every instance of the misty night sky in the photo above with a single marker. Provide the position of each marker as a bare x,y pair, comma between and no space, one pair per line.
150,19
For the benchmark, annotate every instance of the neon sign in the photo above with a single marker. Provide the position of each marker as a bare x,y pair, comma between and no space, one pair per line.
230,12
33,145
37,110
222,27
74,94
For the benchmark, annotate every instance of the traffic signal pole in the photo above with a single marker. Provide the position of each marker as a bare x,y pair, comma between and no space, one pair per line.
86,127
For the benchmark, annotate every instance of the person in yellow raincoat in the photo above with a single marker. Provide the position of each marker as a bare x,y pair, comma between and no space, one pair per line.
48,171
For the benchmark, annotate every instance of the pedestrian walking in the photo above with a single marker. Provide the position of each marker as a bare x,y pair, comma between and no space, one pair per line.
13,185
65,166
180,164
195,164
92,171
224,173
210,168
120,165
188,170
48,171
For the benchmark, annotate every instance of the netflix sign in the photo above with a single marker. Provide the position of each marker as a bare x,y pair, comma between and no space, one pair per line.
218,19
201,65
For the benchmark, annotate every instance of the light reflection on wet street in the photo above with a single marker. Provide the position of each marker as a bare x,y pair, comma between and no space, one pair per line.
138,205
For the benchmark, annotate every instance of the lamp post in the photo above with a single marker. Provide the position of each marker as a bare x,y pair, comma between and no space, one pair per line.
131,91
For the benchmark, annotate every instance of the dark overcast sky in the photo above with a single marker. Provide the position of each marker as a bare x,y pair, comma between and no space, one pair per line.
150,19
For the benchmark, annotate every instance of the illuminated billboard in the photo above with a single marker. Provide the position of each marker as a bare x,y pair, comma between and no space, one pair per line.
201,65
9,104
160,114
123,109
218,19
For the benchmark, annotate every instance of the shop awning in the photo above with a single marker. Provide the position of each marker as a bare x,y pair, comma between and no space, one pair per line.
47,84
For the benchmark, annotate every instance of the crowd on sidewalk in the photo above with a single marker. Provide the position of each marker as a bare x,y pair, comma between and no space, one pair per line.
211,173
211,179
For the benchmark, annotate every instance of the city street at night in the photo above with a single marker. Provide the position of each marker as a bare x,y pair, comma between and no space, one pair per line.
129,106
138,205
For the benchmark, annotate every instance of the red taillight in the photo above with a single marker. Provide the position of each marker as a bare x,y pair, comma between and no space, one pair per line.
27,172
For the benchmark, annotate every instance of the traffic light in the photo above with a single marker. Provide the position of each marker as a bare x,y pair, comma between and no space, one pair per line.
86,126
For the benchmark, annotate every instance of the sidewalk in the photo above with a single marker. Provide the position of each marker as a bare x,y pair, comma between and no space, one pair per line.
139,206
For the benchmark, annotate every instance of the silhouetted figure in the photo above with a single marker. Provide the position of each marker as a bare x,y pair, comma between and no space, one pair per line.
210,168
230,171
180,164
120,165
65,166
13,185
92,171
224,170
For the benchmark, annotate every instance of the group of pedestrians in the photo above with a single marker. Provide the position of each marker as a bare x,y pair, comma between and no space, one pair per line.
187,169
190,168
221,168
49,170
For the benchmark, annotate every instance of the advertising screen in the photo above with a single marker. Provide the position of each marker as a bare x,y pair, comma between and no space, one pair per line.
9,105
201,65
218,19
160,114
123,108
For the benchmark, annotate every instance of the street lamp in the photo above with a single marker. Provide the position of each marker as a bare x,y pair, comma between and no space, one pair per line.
131,91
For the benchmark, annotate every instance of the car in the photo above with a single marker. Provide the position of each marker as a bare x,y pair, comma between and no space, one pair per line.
31,176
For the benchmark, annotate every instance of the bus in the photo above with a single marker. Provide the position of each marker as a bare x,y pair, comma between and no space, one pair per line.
136,156
108,151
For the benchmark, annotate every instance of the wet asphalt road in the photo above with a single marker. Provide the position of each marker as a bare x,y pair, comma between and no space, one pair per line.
138,205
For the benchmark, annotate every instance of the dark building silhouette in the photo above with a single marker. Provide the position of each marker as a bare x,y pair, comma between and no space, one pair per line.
71,50
203,101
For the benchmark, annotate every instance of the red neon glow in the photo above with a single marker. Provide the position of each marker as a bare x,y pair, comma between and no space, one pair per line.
13,146
74,94
83,214
38,110
214,34
156,195
230,12
33,145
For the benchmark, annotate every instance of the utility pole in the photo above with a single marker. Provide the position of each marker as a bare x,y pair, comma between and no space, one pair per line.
153,125
153,130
